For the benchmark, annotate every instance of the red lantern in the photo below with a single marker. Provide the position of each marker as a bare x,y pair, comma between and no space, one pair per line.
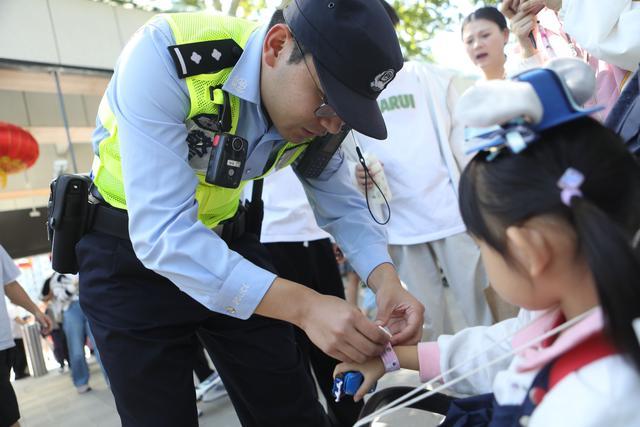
18,150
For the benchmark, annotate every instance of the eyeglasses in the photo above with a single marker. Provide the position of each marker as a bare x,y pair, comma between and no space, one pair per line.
325,110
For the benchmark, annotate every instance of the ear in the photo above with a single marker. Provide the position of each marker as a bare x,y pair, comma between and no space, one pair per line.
505,36
274,43
530,248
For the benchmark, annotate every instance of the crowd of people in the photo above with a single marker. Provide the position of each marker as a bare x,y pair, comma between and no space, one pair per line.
514,193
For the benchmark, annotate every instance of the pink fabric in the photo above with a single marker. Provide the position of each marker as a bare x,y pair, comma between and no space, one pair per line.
428,360
536,357
609,83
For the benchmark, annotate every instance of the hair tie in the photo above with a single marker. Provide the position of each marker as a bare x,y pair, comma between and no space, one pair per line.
570,183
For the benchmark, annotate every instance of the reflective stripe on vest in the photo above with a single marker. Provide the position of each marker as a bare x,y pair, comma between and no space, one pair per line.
215,204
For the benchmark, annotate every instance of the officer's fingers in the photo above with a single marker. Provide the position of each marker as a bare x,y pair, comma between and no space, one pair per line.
411,331
367,347
354,354
372,332
340,355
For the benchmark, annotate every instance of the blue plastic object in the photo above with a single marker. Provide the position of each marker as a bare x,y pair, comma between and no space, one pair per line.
558,107
557,102
348,384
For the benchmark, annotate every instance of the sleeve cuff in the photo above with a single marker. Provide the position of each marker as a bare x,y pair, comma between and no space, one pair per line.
364,265
243,290
428,360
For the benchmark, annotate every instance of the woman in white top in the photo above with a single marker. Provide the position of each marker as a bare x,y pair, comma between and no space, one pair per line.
485,34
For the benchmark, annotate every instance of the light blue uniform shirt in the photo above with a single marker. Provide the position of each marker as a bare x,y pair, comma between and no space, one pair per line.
151,105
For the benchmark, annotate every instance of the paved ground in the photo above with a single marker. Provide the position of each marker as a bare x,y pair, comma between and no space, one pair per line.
52,401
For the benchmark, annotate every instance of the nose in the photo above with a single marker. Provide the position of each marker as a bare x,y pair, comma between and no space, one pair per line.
332,124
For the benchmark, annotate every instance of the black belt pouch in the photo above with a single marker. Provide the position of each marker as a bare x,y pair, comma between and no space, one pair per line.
69,213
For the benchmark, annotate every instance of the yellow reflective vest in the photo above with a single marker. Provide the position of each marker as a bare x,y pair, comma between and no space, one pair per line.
215,204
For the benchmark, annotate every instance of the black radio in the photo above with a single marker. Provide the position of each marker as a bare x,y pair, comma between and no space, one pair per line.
319,152
227,160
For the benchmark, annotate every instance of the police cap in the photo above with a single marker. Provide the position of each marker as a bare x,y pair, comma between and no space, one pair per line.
356,53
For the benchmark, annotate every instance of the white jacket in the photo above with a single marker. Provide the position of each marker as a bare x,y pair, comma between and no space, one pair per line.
605,392
422,155
609,30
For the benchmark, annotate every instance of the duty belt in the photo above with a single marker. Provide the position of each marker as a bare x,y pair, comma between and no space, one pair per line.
115,222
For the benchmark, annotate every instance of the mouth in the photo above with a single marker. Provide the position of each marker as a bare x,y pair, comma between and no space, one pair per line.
312,134
481,56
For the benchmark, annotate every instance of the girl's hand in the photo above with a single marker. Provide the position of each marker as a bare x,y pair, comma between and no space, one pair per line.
372,370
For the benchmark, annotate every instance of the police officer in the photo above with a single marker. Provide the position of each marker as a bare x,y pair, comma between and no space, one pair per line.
166,254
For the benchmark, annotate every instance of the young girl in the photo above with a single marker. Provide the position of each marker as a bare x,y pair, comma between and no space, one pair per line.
557,224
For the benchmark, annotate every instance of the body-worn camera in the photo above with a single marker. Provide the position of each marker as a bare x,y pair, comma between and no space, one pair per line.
227,160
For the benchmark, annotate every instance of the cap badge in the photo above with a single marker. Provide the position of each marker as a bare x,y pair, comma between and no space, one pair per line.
382,80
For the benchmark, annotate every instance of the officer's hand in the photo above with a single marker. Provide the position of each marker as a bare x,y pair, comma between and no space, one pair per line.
401,313
342,331
398,310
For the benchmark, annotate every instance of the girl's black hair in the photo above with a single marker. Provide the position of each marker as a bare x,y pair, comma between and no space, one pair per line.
513,188
490,14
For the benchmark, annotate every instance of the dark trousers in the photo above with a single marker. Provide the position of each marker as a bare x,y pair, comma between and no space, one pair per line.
9,412
60,350
313,264
20,361
144,328
200,363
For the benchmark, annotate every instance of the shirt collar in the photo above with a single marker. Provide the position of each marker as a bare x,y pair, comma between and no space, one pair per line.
536,357
244,80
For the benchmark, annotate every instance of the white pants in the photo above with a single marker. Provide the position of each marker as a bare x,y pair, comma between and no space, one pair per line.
459,257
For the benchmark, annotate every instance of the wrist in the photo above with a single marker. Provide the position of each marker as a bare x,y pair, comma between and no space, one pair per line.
302,300
383,276
390,359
